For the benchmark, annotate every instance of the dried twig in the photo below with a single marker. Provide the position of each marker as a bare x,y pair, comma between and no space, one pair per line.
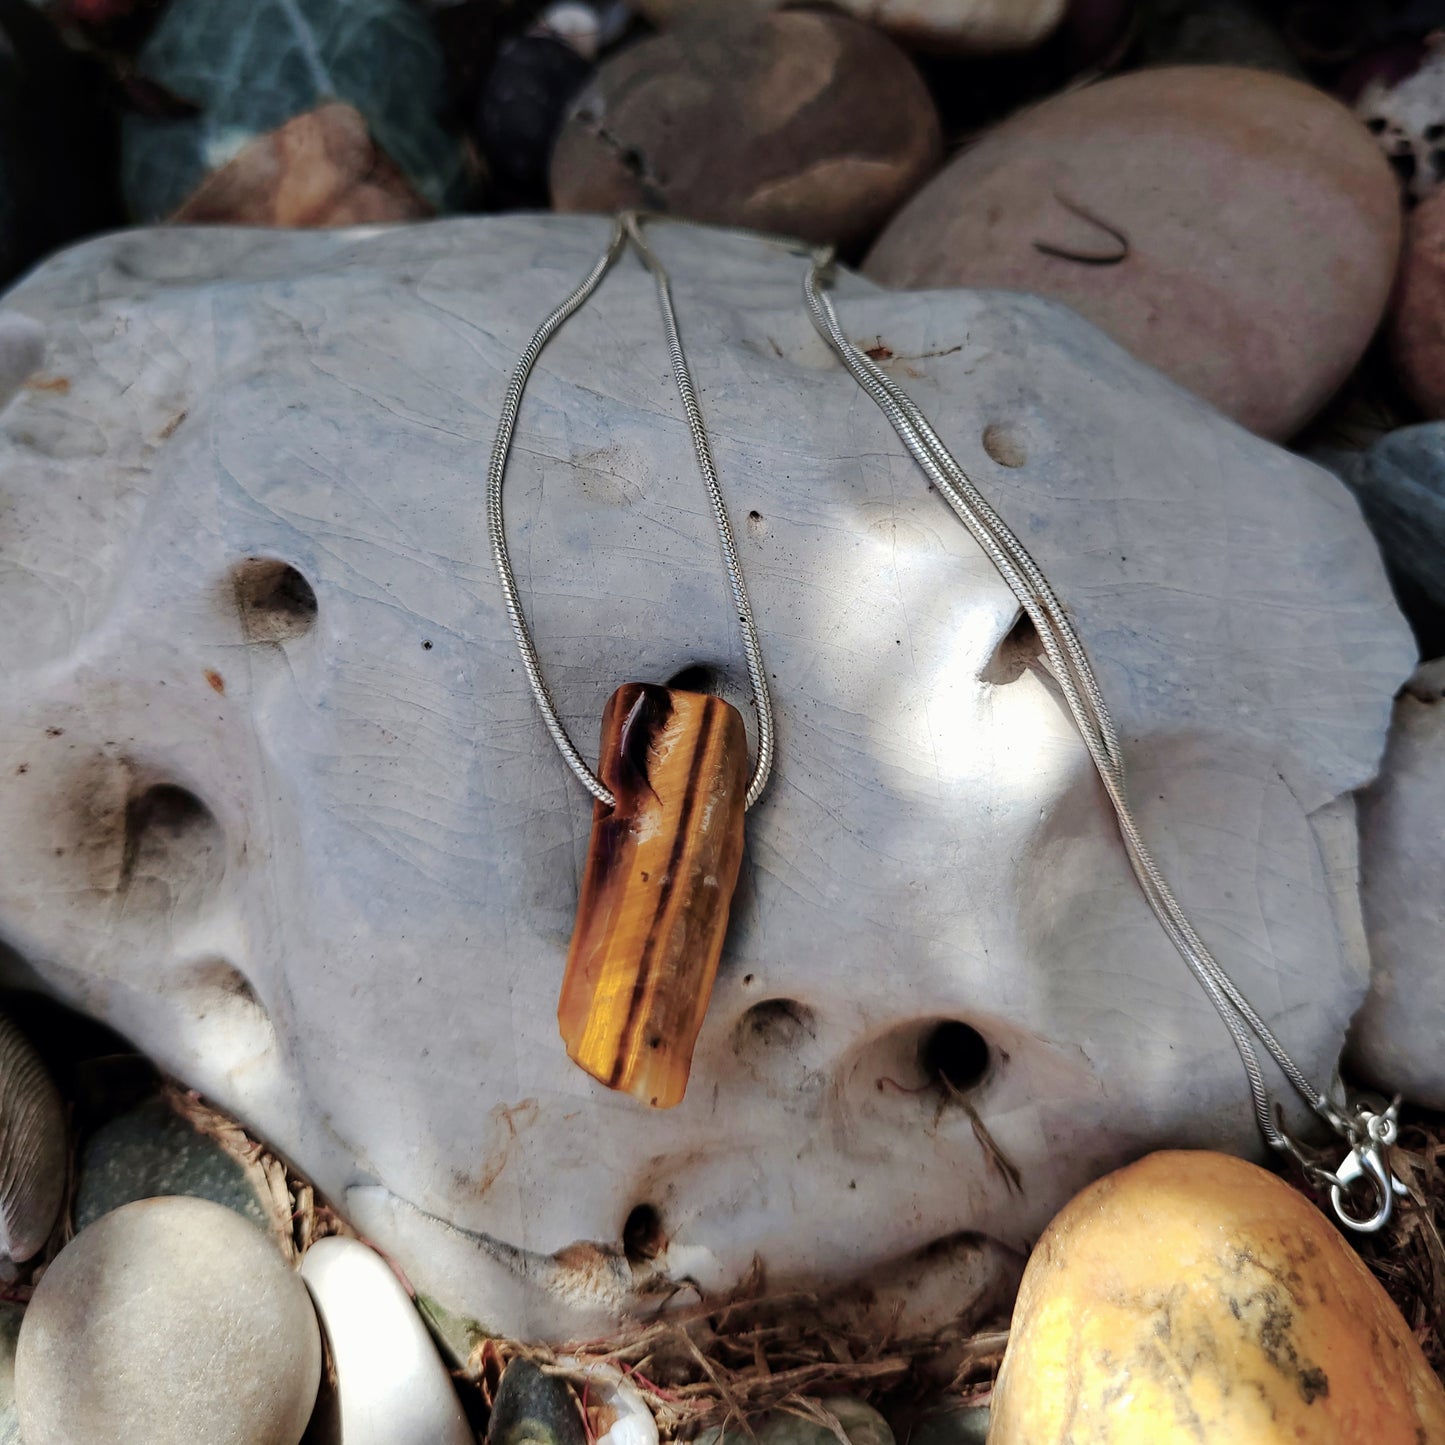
726,1364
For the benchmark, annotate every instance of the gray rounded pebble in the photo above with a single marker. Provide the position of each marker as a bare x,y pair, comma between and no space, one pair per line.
11,1315
168,1322
1400,482
150,1152
861,1423
960,1425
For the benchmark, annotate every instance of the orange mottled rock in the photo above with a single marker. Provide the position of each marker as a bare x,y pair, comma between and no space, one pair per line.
1196,1297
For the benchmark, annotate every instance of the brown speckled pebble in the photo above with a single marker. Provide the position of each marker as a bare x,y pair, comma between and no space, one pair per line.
803,123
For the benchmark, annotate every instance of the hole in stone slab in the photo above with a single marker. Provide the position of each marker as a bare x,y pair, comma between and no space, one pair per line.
643,1237
224,981
697,678
172,850
1005,444
1017,651
225,1019
275,601
776,1023
954,1053
776,1043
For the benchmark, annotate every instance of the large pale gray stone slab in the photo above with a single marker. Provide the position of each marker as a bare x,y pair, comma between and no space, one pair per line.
322,862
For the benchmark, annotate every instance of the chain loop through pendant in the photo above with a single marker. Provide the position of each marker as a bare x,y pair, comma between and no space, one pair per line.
667,827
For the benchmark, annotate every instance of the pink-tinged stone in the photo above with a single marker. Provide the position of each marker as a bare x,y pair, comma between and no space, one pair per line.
1238,230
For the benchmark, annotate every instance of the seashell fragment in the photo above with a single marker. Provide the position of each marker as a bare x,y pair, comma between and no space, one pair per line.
33,1156
619,1413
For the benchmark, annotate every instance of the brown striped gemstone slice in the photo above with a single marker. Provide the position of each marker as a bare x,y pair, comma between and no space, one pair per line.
657,888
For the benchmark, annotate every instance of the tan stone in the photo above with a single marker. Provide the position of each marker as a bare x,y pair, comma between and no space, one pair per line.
1417,327
961,26
1238,230
319,169
803,123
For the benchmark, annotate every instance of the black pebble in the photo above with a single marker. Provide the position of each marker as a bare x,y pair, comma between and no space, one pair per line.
534,1409
58,143
523,102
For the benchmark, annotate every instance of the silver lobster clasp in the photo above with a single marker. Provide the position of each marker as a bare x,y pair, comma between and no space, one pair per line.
1369,1159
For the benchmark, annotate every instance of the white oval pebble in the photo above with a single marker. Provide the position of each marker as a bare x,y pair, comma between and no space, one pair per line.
391,1386
168,1322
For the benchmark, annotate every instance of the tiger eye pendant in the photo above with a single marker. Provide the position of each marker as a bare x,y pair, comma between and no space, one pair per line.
657,888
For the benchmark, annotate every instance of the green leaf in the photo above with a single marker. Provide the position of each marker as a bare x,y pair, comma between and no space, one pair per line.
251,65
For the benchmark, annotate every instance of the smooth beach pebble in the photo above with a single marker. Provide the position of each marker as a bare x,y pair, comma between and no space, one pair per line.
168,1322
804,123
1238,230
391,1386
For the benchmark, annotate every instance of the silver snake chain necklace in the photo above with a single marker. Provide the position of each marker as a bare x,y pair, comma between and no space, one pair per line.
627,228
1369,1133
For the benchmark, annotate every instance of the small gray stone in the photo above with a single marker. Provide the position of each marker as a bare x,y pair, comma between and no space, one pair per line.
862,1424
168,1322
1395,1038
957,1425
10,1317
1400,482
152,1151
1213,32
534,1409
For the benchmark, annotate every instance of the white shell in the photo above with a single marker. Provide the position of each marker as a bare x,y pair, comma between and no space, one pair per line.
336,895
34,1154
391,1386
1407,118
632,1421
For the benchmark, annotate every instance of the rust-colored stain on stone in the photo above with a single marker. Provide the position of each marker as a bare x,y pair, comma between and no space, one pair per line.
216,680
